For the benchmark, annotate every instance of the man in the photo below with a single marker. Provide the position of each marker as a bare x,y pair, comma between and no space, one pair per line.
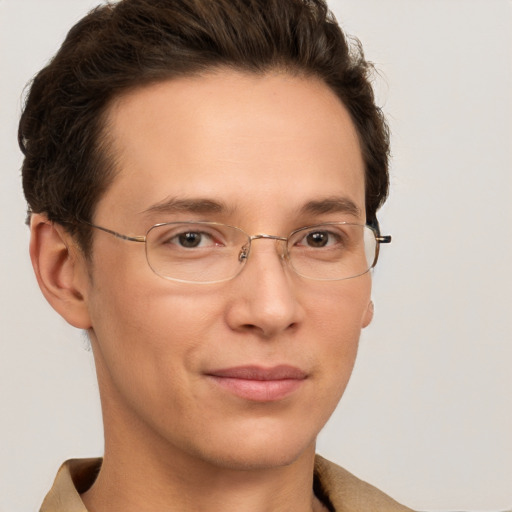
203,179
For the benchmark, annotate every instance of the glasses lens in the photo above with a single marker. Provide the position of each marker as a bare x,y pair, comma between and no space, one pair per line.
201,252
207,252
332,251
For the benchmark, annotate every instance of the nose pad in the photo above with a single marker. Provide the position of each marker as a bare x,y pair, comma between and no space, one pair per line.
244,253
281,250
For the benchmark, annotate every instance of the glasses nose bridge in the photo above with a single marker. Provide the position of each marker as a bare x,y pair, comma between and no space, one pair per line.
244,254
268,237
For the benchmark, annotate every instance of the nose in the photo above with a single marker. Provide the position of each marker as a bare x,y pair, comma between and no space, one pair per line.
264,299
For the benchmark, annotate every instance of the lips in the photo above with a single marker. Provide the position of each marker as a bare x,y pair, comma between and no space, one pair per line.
259,384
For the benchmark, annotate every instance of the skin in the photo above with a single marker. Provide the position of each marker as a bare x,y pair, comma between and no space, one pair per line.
263,146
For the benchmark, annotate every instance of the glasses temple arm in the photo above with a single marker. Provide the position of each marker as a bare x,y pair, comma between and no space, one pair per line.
116,234
383,239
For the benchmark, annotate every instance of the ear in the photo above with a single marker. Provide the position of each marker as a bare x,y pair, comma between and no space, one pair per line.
368,315
60,270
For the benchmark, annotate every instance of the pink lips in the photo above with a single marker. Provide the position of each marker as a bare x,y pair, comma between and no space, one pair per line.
260,384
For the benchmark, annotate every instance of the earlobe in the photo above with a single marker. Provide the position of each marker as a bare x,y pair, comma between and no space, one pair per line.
60,270
368,315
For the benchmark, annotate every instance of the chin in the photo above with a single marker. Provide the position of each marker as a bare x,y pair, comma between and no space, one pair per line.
259,450
257,461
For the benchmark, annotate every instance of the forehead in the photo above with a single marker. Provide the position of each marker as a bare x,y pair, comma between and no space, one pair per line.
241,139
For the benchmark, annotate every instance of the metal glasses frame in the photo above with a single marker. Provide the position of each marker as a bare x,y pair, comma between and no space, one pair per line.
245,251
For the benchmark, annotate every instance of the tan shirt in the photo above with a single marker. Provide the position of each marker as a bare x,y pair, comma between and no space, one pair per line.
345,492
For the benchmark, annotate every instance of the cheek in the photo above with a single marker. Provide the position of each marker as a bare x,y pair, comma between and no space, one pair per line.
148,346
153,323
336,319
147,331
129,303
341,309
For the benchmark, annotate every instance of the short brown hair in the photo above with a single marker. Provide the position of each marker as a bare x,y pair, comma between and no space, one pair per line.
121,46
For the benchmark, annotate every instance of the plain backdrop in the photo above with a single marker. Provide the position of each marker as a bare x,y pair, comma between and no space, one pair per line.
427,416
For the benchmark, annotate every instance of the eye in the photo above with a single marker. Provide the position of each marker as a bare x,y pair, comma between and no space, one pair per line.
189,238
193,239
319,239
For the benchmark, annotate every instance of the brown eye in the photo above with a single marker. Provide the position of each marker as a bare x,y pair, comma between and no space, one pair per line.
318,239
190,239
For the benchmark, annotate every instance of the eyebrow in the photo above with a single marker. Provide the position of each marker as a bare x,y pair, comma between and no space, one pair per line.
331,205
209,206
175,205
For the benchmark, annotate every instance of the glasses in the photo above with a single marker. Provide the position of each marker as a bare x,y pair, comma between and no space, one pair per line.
211,252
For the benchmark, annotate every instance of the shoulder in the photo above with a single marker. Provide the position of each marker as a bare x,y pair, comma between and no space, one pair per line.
348,493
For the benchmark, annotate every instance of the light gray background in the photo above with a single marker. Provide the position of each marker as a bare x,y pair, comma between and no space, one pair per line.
428,414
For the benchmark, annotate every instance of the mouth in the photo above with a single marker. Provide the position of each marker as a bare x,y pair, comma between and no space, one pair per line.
259,384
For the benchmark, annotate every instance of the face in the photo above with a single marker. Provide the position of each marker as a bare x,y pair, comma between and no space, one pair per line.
179,364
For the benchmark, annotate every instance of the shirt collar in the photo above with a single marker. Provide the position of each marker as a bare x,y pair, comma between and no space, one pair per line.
74,477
